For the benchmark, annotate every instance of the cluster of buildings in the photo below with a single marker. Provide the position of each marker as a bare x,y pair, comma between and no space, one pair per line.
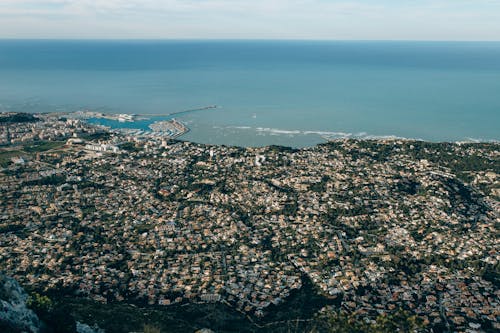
45,128
371,223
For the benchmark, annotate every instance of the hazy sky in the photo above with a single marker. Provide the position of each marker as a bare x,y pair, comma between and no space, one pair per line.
257,19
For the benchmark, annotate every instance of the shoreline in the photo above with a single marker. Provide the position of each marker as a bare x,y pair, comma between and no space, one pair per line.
326,135
144,130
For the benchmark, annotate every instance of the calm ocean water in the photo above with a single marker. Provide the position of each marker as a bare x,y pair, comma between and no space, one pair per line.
269,92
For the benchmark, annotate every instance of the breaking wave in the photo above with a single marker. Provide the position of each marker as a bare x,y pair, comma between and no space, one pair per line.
324,134
332,135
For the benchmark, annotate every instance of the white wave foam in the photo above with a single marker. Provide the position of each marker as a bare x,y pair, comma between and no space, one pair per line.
478,140
276,131
332,135
240,127
326,133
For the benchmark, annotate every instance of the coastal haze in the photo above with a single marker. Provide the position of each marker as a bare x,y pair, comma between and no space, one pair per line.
294,93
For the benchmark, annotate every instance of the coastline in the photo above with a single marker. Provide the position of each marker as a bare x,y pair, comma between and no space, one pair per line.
167,127
143,122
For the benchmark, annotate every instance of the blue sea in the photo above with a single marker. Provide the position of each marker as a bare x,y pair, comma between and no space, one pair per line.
268,92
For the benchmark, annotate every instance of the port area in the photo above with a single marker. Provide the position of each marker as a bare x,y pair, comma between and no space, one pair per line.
125,117
169,128
142,126
88,114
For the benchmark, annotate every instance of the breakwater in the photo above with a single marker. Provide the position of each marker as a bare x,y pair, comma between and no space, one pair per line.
176,113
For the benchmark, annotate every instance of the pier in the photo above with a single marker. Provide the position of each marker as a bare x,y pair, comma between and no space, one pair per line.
123,117
210,107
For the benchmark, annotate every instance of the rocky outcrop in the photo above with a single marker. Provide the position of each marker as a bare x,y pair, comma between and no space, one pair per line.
14,313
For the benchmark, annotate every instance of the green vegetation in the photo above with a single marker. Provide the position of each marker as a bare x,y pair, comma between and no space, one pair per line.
42,146
4,228
18,118
96,136
51,180
62,314
142,228
445,154
151,329
129,146
321,186
39,303
492,273
281,149
5,157
399,321
28,150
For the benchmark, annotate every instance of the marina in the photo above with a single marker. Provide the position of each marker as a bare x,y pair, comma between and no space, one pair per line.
171,128
149,125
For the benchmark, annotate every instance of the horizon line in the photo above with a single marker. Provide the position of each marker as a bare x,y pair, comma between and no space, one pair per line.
247,39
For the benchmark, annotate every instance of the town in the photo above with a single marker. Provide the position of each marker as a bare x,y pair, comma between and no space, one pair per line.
378,225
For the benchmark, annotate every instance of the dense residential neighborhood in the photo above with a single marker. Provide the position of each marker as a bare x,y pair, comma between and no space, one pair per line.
377,226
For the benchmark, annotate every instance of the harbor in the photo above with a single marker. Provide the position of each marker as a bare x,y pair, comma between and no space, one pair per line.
144,125
171,128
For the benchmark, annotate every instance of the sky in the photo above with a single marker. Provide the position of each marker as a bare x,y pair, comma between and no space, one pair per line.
473,20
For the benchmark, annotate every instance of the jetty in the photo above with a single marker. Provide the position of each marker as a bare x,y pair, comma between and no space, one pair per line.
210,107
